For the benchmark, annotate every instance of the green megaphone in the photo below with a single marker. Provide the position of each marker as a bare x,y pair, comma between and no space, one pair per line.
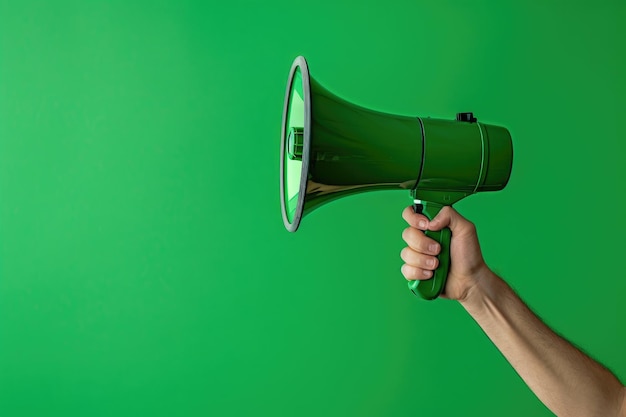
331,148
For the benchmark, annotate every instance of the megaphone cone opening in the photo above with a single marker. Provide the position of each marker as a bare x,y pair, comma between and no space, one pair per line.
295,144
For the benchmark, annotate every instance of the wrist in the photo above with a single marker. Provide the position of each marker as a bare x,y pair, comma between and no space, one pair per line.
485,287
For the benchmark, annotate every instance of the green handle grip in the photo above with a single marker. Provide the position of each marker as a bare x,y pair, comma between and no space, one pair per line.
430,289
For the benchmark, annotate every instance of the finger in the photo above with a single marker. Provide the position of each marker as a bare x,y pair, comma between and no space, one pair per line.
413,273
419,260
416,220
419,242
449,217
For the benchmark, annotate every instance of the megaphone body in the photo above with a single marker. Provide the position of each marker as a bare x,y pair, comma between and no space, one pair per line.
331,148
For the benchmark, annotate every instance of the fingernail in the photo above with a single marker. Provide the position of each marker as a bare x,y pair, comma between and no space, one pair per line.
434,247
428,273
422,224
430,262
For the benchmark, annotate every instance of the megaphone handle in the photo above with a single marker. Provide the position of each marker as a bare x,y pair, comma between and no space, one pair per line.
430,289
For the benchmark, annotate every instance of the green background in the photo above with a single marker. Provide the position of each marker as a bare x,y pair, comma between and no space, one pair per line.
144,266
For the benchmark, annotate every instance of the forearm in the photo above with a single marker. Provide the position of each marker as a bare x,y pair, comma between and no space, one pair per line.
567,381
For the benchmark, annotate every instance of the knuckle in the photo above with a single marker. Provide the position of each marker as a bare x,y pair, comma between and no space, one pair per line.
447,211
413,237
425,244
410,272
416,273
428,262
405,216
405,271
406,233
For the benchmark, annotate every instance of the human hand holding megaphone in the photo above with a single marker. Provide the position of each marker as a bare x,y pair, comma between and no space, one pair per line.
467,264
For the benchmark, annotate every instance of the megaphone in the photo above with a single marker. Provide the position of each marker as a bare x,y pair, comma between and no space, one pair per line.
331,148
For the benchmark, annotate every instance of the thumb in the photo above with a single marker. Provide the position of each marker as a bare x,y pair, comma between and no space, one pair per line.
449,217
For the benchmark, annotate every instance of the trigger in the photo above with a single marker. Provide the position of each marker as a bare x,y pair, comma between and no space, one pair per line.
418,207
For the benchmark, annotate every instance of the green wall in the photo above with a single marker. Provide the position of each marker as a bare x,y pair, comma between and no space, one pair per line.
144,267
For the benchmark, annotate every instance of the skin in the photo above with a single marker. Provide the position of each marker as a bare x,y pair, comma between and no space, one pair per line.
567,381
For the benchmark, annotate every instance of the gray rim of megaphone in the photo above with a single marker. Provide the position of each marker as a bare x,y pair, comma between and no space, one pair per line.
306,88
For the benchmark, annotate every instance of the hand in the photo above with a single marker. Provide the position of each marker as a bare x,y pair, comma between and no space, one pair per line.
467,265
